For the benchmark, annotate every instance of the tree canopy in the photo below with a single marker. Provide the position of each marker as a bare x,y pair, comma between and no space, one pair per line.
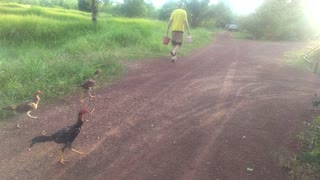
279,20
274,19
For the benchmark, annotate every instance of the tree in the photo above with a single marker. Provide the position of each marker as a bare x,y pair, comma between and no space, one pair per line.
279,20
166,9
94,11
84,5
133,8
198,11
222,14
150,10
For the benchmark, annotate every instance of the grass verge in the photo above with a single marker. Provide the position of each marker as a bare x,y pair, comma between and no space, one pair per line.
54,50
305,165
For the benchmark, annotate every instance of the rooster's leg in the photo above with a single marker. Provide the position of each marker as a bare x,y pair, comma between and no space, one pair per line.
81,98
62,154
34,117
89,93
62,158
18,126
79,152
91,96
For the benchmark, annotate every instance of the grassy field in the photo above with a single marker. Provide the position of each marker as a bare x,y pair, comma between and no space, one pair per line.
54,50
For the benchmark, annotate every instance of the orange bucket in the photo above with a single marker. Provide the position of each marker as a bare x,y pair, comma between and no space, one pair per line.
165,40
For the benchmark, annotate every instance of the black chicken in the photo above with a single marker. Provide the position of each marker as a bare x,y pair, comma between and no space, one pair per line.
25,107
88,84
64,136
315,101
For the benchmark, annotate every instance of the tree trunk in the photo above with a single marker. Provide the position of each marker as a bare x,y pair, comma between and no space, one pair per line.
94,11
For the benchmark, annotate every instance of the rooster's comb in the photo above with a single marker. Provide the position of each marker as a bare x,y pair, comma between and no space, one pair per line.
84,111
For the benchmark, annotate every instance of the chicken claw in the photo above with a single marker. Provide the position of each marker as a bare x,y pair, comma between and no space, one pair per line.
79,152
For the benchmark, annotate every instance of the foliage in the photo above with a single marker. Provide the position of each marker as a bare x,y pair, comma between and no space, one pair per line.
304,58
136,8
67,4
166,9
200,14
54,50
84,5
197,11
278,20
307,164
133,8
222,14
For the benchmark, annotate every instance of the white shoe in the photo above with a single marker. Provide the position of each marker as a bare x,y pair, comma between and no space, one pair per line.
173,58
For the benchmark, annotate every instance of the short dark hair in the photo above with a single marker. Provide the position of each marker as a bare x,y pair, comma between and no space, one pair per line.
180,4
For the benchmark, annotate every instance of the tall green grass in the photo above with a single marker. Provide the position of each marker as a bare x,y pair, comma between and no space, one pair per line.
54,50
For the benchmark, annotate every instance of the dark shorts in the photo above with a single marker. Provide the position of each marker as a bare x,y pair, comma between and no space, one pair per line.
177,37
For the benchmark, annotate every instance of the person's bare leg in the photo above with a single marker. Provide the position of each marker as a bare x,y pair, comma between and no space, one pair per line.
175,50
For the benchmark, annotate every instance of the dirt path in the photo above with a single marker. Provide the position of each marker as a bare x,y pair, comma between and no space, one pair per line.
211,115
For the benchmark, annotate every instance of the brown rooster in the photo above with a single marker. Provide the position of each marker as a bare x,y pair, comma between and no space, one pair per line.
64,136
25,107
88,84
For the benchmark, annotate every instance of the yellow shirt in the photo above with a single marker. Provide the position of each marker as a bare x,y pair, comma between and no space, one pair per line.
178,17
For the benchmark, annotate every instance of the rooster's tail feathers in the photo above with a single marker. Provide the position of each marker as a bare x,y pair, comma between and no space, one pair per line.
40,139
9,108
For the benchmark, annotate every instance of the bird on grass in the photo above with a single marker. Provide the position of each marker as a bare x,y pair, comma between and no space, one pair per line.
25,107
64,136
88,84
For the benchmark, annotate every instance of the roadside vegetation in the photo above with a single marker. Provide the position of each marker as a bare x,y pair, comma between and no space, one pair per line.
282,20
54,49
303,59
305,164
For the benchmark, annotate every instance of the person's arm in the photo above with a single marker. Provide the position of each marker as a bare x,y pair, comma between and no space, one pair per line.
168,27
187,26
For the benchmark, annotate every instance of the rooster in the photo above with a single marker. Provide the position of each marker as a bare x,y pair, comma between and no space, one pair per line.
25,107
88,84
64,136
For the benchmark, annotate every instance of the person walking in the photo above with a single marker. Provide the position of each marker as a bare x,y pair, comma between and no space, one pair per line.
178,21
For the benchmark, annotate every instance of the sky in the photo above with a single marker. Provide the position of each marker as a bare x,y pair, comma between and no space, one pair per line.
244,6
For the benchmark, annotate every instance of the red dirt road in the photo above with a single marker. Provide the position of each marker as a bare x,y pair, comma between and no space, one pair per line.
211,115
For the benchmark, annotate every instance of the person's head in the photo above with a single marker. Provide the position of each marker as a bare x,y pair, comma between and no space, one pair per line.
179,4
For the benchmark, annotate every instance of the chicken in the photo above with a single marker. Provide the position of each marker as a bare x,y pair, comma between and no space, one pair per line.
315,101
64,136
88,84
25,107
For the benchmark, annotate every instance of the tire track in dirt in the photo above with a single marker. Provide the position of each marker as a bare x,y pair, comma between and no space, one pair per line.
129,120
165,90
227,84
225,114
